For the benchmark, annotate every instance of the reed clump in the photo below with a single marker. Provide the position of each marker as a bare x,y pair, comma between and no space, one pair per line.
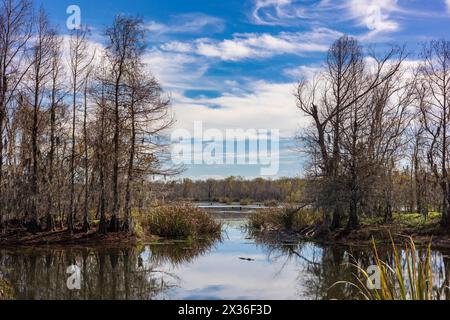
6,290
181,221
286,218
409,277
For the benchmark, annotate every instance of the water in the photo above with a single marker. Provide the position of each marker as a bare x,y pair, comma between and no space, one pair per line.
237,267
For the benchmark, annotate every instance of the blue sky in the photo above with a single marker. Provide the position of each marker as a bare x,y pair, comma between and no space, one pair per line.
234,64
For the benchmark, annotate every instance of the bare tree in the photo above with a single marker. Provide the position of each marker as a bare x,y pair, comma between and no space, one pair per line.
147,117
434,105
101,145
79,63
42,55
57,95
126,44
86,224
15,33
335,102
113,140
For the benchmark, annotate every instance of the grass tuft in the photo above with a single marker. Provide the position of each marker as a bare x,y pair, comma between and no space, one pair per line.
181,221
409,277
6,290
286,218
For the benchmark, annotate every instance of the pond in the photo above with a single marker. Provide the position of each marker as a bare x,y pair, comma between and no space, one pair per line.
237,267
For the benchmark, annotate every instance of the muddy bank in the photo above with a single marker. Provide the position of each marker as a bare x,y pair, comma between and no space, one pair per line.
63,237
440,239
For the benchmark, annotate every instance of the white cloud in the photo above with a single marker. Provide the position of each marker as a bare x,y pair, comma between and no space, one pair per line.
295,12
176,70
275,12
375,15
188,23
303,72
264,45
448,5
178,46
156,27
264,105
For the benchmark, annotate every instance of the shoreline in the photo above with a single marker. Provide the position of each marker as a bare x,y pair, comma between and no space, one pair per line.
63,238
361,237
92,239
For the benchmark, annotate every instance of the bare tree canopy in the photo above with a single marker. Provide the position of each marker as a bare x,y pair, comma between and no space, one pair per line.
82,131
358,108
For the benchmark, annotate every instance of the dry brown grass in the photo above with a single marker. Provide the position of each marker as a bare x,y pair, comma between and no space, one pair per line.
181,221
286,218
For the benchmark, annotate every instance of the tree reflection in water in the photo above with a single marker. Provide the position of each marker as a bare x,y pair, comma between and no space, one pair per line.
320,267
160,271
106,273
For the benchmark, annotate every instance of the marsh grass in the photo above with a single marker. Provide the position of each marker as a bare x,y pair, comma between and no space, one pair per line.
286,218
246,202
271,203
226,200
409,277
6,290
181,221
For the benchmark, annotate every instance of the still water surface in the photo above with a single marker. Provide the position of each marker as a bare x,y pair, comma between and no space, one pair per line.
237,267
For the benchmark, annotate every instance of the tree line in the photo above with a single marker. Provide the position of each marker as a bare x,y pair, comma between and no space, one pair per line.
372,113
236,189
81,125
290,191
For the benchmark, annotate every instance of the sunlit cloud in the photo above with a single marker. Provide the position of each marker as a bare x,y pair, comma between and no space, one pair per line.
259,45
188,23
375,15
264,105
288,12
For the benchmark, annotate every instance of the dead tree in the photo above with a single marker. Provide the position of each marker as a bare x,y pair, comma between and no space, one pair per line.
15,33
435,80
79,63
126,44
40,76
330,100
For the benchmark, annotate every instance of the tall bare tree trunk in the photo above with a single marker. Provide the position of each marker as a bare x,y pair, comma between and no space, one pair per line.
71,217
114,223
103,226
86,224
2,117
128,223
50,225
50,219
34,224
